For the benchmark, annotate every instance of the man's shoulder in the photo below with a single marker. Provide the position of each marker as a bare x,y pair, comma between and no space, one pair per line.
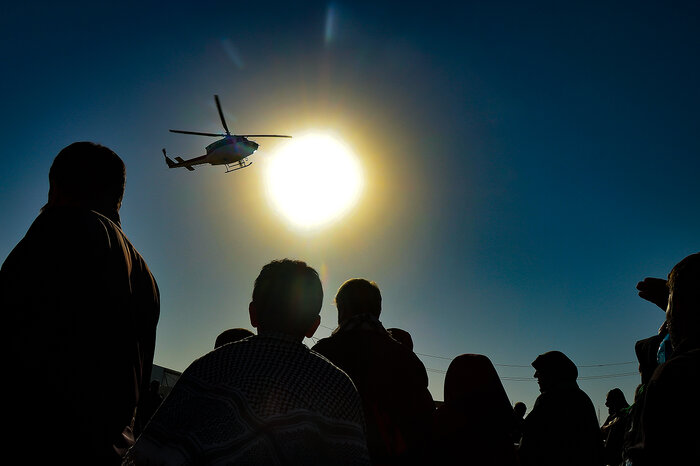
373,352
59,233
364,337
74,227
260,354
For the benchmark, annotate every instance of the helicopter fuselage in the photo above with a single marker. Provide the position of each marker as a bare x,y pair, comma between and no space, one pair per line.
230,149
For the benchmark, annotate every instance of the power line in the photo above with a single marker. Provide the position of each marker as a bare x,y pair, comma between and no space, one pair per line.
447,358
528,365
530,379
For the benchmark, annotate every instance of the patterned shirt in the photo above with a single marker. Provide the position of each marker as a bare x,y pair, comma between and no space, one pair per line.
266,399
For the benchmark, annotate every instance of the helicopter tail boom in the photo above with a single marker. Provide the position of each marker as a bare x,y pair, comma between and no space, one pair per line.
172,164
181,162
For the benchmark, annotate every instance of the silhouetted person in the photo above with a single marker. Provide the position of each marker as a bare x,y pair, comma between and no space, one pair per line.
232,335
613,428
475,423
80,305
519,410
392,381
671,415
562,427
266,399
402,336
646,351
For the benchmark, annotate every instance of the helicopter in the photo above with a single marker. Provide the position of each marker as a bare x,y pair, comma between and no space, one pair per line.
232,151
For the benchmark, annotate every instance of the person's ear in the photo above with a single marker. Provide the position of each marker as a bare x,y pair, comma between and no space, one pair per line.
253,313
314,326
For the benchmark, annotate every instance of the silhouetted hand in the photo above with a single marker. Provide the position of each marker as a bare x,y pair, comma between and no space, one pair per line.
654,290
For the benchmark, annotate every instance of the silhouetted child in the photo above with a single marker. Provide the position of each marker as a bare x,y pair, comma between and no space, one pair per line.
519,410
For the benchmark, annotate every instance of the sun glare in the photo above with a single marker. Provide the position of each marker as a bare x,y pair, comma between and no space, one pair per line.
313,180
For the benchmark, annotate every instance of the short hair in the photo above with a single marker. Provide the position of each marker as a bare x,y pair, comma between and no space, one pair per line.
519,408
89,173
358,296
684,289
287,296
232,335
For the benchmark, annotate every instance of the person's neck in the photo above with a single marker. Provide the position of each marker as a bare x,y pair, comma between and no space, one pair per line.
280,335
112,214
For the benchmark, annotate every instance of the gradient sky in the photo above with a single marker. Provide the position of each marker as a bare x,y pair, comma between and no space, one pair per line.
527,163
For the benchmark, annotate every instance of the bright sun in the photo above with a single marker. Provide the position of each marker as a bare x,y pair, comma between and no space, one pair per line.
313,180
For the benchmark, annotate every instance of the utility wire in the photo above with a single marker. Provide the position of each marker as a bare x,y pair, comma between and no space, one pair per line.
530,379
591,377
528,365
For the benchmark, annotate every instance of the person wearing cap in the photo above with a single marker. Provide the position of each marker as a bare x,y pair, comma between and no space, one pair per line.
562,427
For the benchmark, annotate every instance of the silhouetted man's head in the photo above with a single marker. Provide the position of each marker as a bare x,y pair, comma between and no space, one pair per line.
358,296
519,409
615,401
553,369
683,312
232,335
287,298
87,175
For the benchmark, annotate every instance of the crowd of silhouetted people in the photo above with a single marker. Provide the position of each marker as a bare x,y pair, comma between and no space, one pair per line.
83,309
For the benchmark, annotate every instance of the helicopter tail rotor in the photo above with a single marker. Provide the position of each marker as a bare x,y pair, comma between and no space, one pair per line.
168,160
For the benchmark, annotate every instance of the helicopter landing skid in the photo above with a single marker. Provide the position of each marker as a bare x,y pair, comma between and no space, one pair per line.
232,167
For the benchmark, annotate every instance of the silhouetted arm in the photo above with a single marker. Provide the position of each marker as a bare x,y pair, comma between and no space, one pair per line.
654,290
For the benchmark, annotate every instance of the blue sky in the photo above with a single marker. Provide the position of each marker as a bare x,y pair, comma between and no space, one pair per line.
526,163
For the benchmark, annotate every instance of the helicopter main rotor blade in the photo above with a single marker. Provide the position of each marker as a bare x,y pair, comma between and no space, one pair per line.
221,114
263,136
219,135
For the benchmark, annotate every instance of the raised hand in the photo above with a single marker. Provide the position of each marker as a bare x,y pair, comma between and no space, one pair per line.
654,290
